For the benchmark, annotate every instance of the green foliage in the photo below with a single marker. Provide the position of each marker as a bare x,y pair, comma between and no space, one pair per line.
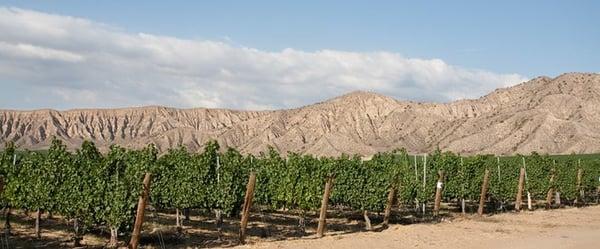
307,180
504,177
123,174
348,178
271,171
35,182
7,172
229,190
206,180
23,183
102,190
293,183
82,182
177,177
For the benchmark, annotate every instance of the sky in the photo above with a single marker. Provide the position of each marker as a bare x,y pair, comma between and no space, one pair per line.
282,54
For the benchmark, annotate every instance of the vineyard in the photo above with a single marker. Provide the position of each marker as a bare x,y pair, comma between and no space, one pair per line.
96,191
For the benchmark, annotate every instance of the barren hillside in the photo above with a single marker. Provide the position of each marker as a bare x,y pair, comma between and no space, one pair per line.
560,115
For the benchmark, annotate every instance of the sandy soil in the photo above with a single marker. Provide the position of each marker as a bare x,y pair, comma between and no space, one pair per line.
559,228
565,228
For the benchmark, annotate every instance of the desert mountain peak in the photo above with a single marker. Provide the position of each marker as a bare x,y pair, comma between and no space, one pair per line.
361,96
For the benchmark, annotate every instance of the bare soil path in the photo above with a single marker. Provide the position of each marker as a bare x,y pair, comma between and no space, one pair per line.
564,228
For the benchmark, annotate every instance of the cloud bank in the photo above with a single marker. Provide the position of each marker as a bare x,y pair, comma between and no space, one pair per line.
56,61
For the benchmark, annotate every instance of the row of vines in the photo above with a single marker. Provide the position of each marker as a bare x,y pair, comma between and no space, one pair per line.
100,190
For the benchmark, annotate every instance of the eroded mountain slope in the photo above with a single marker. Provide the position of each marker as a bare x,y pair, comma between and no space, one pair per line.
560,115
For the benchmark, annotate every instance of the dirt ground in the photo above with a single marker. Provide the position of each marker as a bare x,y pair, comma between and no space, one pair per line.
559,228
564,228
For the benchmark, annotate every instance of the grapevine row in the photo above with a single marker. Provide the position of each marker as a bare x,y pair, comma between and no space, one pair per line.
97,190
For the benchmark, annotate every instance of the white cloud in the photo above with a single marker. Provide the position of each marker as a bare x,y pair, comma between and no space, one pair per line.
23,51
65,62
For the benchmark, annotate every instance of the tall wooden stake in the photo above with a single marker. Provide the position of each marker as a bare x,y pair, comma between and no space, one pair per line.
462,198
424,170
139,218
368,225
424,180
416,181
114,238
76,237
38,216
581,192
438,193
247,206
388,206
323,215
484,189
499,181
527,186
550,191
178,220
219,212
519,198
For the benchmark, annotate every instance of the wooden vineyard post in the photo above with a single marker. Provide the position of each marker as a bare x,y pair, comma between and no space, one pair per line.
324,203
499,181
438,193
178,220
484,189
519,198
388,206
416,180
139,217
368,225
581,194
219,212
424,182
462,199
247,206
527,186
38,216
550,191
76,238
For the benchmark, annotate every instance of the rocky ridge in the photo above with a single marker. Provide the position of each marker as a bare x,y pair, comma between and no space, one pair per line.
557,116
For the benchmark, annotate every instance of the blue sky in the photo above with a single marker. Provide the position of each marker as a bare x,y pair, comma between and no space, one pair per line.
523,38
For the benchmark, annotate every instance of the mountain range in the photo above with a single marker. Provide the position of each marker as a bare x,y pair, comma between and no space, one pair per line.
549,115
